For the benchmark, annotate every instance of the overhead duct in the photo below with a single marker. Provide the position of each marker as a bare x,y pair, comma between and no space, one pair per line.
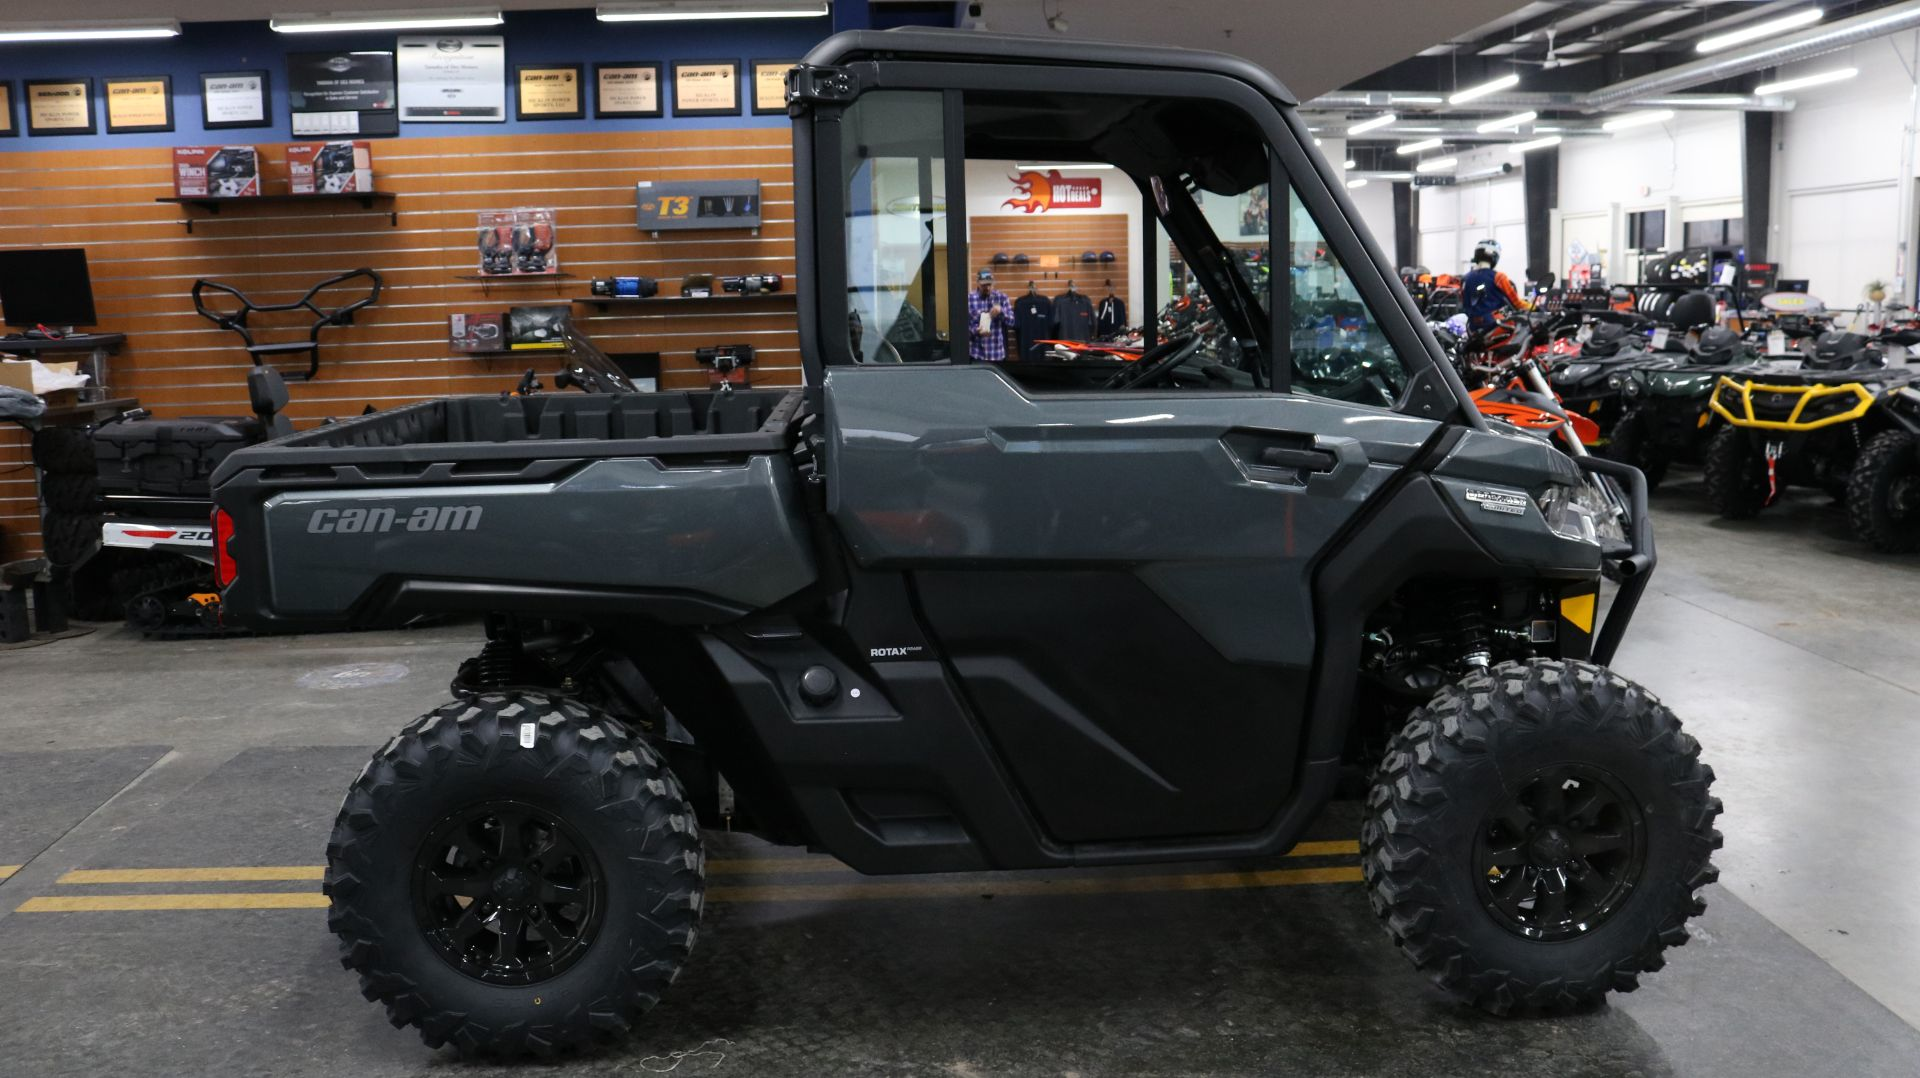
1786,50
1662,89
1547,101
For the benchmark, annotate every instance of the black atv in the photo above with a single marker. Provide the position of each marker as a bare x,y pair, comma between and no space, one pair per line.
1842,421
1665,416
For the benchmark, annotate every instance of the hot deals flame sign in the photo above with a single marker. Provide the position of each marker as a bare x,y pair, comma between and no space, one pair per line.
1038,192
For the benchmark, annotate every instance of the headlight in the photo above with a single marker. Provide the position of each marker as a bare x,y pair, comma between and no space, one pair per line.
1583,514
1614,381
1631,387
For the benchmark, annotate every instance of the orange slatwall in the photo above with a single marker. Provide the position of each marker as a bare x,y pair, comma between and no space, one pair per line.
1065,236
143,262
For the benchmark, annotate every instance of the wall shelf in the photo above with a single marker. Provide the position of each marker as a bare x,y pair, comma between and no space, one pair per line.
486,281
720,300
367,200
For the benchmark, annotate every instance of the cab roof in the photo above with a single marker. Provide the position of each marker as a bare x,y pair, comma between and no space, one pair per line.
975,46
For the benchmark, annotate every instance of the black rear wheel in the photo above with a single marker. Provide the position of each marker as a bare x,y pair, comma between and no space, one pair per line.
1736,474
1536,835
515,874
1883,493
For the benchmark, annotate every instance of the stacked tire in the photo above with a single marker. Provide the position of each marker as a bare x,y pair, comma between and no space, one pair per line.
70,490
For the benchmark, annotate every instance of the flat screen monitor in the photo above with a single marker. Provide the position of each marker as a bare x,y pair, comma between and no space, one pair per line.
46,287
1793,284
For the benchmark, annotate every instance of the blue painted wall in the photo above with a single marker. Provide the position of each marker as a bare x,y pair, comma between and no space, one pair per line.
532,37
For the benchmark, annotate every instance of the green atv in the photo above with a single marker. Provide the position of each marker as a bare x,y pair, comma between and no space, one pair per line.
1665,414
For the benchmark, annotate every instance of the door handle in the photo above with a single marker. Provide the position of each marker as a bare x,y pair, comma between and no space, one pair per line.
1306,460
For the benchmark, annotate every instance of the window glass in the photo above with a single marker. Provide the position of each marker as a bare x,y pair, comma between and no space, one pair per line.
895,168
1647,230
1338,349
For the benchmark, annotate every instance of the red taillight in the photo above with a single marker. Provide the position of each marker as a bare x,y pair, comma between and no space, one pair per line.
224,570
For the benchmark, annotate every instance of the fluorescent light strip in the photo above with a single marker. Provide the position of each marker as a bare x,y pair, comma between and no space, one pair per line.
94,33
349,21
1474,93
1804,81
1436,164
1534,144
1637,119
1803,17
1357,181
1063,166
671,11
1348,163
1374,124
1417,147
1505,122
1414,99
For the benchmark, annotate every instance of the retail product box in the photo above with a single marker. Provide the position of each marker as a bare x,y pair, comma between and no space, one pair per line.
477,331
537,328
329,168
517,241
216,171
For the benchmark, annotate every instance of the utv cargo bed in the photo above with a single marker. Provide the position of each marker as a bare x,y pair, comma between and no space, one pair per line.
425,509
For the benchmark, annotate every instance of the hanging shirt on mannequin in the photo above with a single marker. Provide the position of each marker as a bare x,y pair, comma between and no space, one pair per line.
1073,315
1110,317
1032,323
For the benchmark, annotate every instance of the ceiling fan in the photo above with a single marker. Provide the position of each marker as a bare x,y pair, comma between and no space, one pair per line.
1554,60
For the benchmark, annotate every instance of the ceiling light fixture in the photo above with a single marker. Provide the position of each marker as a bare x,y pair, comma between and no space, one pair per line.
1357,181
1348,163
1436,164
1534,144
700,10
106,30
1414,99
1061,166
1637,119
1805,81
1373,124
1506,122
337,22
1475,93
1417,147
1803,17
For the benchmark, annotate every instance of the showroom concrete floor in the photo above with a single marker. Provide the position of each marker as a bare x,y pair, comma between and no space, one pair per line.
1791,652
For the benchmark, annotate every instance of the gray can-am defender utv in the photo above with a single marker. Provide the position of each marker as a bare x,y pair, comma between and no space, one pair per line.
931,614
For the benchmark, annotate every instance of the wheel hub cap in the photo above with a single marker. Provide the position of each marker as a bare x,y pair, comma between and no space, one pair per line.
507,893
1560,853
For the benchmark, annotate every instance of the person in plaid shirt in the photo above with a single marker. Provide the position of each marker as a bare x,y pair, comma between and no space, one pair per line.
987,345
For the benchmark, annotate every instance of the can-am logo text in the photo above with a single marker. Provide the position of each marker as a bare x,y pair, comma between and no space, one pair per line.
1038,192
426,518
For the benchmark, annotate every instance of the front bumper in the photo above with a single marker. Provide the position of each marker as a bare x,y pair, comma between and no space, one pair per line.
1631,565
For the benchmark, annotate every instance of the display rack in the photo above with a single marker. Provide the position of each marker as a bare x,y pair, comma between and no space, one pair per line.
720,299
488,280
367,200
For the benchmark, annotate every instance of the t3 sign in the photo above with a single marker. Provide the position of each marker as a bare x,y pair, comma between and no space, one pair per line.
1038,192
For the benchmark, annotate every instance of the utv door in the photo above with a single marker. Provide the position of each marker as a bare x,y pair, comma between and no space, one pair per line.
1118,578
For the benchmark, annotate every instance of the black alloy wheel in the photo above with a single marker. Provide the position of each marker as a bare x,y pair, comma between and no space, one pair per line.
507,893
1561,853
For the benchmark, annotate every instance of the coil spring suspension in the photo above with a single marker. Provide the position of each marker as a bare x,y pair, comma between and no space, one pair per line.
499,663
1469,615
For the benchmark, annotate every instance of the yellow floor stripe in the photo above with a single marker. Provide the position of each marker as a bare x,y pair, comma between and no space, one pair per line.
236,874
300,873
8,870
792,892
292,900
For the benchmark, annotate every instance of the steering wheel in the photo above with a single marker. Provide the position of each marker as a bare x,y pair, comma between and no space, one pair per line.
1160,361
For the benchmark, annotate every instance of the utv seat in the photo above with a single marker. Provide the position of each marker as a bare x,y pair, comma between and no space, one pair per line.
267,391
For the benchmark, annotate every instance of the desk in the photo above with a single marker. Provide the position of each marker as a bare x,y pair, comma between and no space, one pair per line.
98,347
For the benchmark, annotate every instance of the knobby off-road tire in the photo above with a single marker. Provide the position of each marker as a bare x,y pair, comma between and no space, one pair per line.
68,538
1883,493
1633,442
1736,475
64,451
1435,823
74,494
442,810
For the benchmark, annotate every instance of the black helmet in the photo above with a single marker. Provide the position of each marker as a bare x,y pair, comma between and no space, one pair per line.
1000,258
1691,311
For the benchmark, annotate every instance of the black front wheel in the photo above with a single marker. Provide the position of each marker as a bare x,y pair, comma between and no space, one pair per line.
1736,475
1635,441
1536,836
515,874
1883,493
